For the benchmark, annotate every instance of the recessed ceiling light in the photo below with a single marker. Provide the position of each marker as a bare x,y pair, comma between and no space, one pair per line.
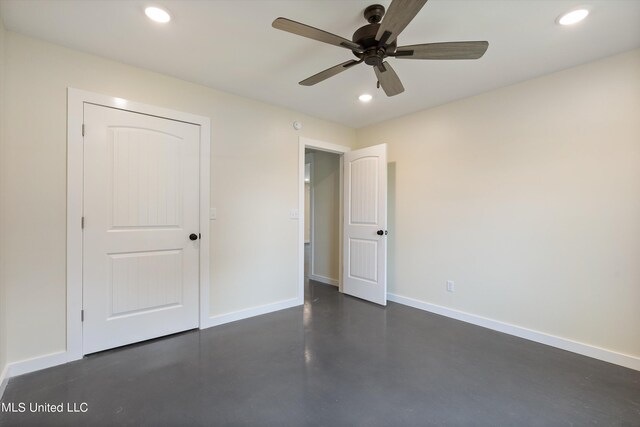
573,17
120,102
157,14
365,97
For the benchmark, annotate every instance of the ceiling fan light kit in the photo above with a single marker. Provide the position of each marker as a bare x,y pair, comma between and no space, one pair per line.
376,41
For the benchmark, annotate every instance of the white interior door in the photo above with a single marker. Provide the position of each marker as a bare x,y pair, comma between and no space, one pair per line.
365,224
141,203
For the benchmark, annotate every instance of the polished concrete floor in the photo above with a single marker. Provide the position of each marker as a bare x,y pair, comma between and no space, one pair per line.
337,361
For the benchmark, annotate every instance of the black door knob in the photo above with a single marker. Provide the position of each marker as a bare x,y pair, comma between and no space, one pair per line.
193,236
380,233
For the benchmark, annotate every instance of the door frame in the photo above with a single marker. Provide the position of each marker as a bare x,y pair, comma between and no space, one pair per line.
308,160
76,99
330,148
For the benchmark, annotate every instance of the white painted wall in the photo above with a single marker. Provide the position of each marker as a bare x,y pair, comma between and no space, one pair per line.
326,215
528,197
254,185
3,304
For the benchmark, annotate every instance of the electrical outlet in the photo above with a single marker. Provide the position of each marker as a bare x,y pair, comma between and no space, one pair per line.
451,287
294,214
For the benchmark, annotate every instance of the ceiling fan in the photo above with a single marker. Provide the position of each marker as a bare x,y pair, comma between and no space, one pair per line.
376,41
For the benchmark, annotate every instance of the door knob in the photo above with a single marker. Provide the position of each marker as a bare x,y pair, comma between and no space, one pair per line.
380,233
193,236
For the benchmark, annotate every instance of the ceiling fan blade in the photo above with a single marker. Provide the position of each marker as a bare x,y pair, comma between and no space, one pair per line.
451,50
398,16
388,79
329,72
303,30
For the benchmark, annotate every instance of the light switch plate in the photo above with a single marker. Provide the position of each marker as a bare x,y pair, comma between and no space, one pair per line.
294,214
212,213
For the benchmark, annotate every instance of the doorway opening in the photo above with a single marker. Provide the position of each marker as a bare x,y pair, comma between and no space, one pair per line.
322,216
362,219
320,206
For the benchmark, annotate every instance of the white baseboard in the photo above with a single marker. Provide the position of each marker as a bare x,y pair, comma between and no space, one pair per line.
4,378
37,363
30,365
323,279
250,312
610,356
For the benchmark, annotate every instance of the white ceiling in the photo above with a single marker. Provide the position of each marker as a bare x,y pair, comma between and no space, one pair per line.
230,45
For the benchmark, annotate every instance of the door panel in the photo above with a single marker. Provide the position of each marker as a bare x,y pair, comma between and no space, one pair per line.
144,281
365,201
363,206
363,263
140,269
146,177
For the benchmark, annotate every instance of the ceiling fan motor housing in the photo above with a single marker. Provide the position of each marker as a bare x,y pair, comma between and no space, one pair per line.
373,53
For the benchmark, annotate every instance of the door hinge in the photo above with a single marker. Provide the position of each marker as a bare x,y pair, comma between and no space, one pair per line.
82,223
83,129
82,315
